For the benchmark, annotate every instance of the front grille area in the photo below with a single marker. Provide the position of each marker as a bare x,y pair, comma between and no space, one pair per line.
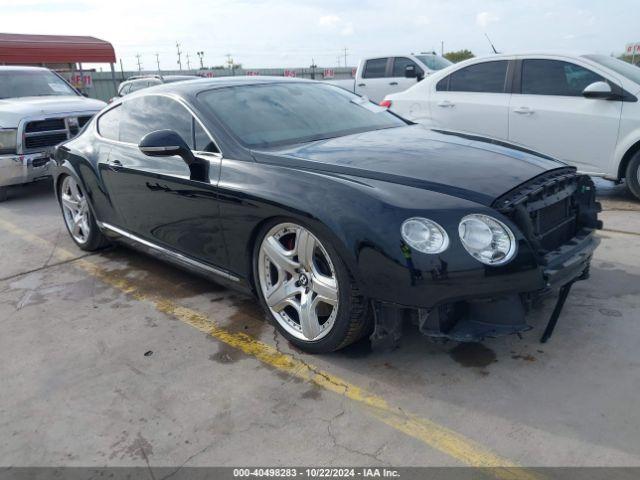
45,125
552,209
41,134
44,141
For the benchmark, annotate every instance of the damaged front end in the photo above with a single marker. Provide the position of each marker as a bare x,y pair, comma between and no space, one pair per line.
557,214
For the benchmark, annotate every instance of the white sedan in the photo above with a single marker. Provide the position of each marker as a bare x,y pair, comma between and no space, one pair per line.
582,109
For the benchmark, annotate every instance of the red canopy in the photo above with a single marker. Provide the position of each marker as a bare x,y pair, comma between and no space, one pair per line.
19,49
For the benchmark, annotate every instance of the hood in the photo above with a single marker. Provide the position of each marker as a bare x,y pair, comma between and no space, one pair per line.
473,168
12,110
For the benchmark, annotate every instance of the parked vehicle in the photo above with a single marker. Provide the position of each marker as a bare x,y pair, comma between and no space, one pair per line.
340,216
38,109
133,84
582,109
380,76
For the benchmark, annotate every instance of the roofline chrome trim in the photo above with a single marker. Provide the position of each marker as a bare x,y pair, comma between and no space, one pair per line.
177,256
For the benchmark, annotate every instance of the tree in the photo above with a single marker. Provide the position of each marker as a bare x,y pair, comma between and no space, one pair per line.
459,55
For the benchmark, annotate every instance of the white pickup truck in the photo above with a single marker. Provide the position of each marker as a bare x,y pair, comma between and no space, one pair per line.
380,76
38,109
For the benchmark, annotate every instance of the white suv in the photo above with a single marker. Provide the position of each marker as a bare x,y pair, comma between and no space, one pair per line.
582,109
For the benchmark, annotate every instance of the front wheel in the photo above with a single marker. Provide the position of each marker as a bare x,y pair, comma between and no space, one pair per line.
307,290
78,217
633,175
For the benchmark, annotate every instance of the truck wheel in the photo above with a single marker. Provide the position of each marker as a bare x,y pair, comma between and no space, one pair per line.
633,175
3,193
306,289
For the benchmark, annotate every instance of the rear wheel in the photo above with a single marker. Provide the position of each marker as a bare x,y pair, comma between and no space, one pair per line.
307,290
633,175
78,217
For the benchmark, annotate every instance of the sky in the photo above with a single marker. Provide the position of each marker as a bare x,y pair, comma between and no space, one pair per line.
289,33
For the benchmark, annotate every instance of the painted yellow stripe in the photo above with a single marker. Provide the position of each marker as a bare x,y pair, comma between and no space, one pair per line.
433,434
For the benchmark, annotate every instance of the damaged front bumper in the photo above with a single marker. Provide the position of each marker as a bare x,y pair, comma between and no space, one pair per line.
19,169
474,319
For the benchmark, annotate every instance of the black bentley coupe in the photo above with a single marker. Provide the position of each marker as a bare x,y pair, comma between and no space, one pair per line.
344,219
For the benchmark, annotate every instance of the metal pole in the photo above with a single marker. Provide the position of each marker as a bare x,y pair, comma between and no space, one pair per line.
121,70
81,78
113,77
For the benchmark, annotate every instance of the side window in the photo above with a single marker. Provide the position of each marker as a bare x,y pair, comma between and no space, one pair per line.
137,86
399,65
201,140
124,89
486,77
376,68
554,77
149,113
109,123
443,85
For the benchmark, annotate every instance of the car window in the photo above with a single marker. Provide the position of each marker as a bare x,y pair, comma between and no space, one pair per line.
201,140
137,86
486,77
401,63
375,68
109,123
434,62
124,89
143,115
554,77
632,72
443,85
277,114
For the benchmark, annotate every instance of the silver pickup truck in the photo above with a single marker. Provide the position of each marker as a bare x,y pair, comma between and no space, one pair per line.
38,110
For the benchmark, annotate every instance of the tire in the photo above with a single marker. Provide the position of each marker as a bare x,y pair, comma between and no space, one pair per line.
318,284
633,175
78,217
4,193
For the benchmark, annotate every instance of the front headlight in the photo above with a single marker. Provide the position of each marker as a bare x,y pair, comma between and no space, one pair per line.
487,239
8,141
424,235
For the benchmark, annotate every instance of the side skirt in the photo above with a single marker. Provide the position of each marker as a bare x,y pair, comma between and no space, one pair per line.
175,258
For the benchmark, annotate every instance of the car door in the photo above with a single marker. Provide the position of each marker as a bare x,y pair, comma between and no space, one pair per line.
375,79
473,99
398,81
548,113
155,196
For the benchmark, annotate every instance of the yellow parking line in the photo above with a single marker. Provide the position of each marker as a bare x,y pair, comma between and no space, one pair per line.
431,433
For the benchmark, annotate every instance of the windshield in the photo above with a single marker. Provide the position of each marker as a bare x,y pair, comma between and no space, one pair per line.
269,115
434,62
32,83
625,69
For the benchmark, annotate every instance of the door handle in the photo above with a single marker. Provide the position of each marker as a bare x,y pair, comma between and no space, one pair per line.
116,163
393,83
362,84
446,104
523,111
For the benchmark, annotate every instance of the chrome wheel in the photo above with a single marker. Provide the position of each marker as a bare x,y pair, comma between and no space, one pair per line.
75,210
298,281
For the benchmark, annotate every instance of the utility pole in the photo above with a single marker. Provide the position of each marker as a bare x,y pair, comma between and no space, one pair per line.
230,63
188,62
313,69
442,48
201,57
179,55
139,64
345,56
158,61
121,70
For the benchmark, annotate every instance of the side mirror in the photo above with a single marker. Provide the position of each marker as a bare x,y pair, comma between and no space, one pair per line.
167,143
598,90
410,71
